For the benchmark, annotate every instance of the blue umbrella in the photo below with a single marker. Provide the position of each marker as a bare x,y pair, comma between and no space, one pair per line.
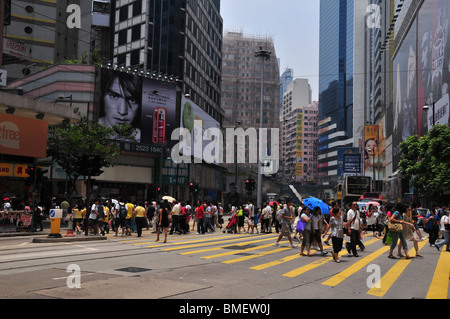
312,202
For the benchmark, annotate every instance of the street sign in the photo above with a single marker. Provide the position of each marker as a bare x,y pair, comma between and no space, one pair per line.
55,225
56,213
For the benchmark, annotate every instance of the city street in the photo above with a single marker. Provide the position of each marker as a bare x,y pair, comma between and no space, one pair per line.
213,266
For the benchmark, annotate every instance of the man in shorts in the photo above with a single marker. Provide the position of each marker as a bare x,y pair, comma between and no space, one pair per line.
286,217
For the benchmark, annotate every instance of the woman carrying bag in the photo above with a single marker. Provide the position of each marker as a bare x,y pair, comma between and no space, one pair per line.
396,223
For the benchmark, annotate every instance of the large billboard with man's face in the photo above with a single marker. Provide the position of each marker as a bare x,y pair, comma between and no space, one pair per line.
148,105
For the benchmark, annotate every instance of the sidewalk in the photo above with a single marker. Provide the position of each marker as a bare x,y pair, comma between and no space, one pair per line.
41,236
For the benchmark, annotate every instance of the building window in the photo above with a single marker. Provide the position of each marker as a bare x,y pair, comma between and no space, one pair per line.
123,37
123,15
137,8
136,32
134,58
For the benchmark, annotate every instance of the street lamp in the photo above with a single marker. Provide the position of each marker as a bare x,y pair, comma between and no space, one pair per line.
373,166
265,56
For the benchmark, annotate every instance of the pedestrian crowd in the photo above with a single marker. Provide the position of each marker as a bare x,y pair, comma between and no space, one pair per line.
395,225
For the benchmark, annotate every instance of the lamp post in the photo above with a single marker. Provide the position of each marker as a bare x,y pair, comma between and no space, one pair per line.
373,167
265,56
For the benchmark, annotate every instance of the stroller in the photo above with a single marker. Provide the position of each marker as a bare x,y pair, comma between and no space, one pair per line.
232,225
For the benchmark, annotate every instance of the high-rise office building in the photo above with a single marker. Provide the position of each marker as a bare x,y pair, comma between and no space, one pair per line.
286,77
180,39
339,62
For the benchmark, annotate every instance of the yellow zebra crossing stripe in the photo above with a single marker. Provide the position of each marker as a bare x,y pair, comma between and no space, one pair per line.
243,258
393,274
320,262
439,284
225,246
222,241
340,277
234,252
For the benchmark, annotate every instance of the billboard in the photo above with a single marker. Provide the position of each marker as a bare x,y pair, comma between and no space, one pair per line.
198,123
23,136
371,150
148,105
299,147
433,56
404,112
349,161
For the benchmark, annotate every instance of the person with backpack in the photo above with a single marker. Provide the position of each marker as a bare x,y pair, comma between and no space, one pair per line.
286,216
120,214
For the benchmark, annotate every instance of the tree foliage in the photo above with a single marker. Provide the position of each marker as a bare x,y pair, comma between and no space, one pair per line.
67,143
426,161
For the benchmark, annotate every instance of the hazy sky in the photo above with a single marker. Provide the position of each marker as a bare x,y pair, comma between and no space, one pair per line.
293,24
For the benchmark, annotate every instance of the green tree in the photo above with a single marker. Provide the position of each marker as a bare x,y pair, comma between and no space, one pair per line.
426,162
68,144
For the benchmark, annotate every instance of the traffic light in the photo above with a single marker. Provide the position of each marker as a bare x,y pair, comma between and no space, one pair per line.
195,189
191,187
89,165
40,175
248,185
252,184
31,173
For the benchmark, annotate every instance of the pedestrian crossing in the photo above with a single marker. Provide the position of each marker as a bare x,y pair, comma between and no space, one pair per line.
258,253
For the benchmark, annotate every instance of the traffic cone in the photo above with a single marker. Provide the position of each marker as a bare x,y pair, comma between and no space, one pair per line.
69,230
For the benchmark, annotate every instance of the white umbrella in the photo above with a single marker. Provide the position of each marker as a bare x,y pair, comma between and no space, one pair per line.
170,199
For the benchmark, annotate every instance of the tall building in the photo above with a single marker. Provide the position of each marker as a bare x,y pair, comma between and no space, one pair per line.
297,95
241,93
339,62
180,39
286,77
299,144
38,34
415,50
241,81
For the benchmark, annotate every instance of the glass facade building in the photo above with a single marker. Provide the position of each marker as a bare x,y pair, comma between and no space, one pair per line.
335,83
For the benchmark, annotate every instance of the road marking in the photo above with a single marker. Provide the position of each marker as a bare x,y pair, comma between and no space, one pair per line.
276,262
236,251
173,240
340,277
222,241
439,285
221,247
393,274
320,262
243,258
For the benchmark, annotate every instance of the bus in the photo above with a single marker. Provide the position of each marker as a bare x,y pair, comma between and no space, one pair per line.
354,187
